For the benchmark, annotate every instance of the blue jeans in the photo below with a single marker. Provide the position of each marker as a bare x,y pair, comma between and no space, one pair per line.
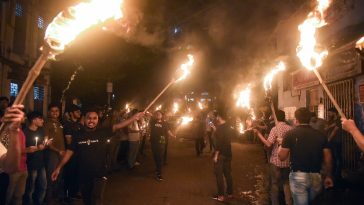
304,187
36,186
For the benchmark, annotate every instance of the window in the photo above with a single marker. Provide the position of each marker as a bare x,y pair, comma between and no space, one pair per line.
38,93
40,22
20,29
14,89
18,10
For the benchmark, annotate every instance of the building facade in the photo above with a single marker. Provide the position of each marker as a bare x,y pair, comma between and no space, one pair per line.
22,28
342,69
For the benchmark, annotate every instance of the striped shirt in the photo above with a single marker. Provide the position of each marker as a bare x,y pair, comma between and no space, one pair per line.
278,132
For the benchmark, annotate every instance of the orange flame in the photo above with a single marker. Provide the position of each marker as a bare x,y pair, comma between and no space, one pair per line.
186,67
200,106
309,55
68,24
175,107
241,128
360,43
269,77
127,107
243,99
186,119
159,107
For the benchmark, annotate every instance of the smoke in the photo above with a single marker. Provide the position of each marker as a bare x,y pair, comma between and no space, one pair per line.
134,28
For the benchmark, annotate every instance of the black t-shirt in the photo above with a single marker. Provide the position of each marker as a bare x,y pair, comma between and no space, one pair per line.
158,130
71,128
91,147
223,136
306,148
35,160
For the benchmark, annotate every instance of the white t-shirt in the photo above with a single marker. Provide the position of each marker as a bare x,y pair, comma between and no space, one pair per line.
3,151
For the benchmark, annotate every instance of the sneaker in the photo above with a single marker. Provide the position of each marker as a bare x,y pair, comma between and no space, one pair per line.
159,178
219,198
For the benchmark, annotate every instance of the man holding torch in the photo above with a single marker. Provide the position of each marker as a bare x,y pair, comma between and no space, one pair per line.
91,145
279,170
10,157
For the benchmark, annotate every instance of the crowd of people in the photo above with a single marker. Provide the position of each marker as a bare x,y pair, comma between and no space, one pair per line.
68,158
305,155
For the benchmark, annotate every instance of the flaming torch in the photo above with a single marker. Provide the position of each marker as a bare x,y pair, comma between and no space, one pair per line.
311,57
159,107
243,99
175,107
64,28
200,106
186,119
184,69
268,87
360,43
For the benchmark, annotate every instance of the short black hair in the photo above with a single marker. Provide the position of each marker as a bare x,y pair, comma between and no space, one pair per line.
221,112
281,115
91,109
52,105
2,98
334,110
34,114
303,115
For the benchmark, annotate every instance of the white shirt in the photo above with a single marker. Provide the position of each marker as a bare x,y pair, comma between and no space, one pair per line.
3,151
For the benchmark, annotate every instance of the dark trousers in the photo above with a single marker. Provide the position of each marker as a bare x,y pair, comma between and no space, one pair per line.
4,183
199,145
223,170
55,189
280,178
142,145
70,174
211,141
123,151
92,189
165,151
158,150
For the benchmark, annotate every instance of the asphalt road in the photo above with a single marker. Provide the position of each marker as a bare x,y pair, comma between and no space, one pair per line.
189,179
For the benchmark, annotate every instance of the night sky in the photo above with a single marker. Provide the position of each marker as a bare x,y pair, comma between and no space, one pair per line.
229,38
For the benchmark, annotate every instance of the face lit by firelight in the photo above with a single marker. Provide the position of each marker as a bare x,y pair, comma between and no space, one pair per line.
91,120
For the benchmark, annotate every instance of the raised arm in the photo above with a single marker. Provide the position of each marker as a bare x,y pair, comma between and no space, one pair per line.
349,126
126,122
261,137
9,162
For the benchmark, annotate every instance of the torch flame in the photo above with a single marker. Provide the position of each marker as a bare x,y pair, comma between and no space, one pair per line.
200,106
244,98
127,107
186,67
175,107
360,43
186,119
241,128
269,77
159,107
69,23
309,55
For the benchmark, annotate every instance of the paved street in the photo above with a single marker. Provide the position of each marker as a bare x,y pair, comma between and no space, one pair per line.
189,179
